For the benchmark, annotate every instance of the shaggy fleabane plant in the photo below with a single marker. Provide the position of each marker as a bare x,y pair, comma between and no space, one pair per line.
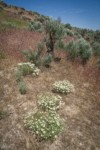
49,102
63,87
28,68
44,125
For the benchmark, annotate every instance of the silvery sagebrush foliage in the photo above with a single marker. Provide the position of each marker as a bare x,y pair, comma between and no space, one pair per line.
45,125
29,68
63,87
49,102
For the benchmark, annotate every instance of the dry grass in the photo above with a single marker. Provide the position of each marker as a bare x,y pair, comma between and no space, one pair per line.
81,111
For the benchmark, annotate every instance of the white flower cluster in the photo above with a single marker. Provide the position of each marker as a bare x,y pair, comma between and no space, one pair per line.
35,70
45,125
49,102
63,87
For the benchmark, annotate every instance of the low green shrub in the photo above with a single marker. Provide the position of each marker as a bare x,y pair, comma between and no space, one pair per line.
72,49
18,76
25,69
44,125
22,87
96,49
28,68
69,32
3,114
85,51
63,87
49,102
47,60
9,24
79,49
2,55
98,64
35,26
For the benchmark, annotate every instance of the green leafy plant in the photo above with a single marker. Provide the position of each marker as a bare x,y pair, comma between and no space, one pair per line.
44,125
35,26
22,87
54,31
49,102
25,69
96,49
2,55
63,87
72,49
47,60
18,76
85,51
35,56
79,49
3,114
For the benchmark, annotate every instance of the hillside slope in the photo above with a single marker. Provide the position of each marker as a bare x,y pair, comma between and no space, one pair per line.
81,109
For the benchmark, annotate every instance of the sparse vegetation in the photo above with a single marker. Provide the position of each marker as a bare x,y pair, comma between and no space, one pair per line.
76,124
3,114
2,55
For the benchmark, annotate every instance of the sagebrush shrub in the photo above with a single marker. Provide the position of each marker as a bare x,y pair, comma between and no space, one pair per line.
44,125
49,102
85,51
79,49
96,49
35,26
63,87
47,60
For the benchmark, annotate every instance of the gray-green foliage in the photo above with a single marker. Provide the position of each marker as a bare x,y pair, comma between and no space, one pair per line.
69,32
35,56
3,114
96,49
9,24
47,60
79,48
22,87
35,26
18,76
45,125
2,55
54,31
25,69
85,51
